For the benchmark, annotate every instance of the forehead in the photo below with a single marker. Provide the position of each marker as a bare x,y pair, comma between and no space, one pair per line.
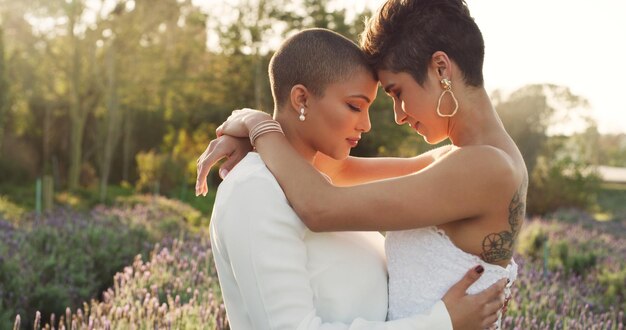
359,83
389,79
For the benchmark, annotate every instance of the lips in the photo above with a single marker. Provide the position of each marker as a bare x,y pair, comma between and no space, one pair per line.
353,141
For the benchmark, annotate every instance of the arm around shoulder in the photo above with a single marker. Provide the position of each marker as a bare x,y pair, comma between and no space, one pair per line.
463,184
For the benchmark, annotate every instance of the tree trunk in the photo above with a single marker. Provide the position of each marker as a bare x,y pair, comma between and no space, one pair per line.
127,145
259,76
4,90
46,138
114,122
77,116
76,142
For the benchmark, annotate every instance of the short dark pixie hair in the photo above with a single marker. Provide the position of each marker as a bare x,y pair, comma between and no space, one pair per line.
314,58
404,34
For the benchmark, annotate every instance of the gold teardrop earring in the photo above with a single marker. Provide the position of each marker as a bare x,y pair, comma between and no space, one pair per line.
446,84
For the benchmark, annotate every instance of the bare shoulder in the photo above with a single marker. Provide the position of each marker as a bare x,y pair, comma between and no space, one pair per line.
439,152
483,160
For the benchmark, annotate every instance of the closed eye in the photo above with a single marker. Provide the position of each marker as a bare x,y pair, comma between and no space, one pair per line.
353,107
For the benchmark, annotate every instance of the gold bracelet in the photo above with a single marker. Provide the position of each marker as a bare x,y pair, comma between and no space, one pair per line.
266,126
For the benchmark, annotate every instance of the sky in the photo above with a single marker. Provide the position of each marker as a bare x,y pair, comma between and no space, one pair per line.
575,43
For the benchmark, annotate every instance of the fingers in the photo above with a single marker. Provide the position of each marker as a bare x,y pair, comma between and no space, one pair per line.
200,176
227,166
493,311
211,156
468,279
494,306
489,322
494,292
495,303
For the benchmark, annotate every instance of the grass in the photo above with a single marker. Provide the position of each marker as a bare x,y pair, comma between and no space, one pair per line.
23,196
612,202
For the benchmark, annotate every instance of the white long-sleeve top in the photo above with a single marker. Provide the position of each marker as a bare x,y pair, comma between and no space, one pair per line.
276,274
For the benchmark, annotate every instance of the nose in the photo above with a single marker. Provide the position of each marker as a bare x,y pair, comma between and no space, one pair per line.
399,113
365,125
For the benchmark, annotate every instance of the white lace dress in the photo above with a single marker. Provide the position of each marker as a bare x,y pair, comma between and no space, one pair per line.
424,263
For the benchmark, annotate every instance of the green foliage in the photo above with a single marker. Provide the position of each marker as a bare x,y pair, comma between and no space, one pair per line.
561,181
607,149
611,200
10,211
525,115
532,241
146,84
615,283
176,213
150,167
175,288
559,166
64,259
4,88
12,170
578,260
22,195
536,244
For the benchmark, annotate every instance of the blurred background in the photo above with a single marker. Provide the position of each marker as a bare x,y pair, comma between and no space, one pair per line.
105,105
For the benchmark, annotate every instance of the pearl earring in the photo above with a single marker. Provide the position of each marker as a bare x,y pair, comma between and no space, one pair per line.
302,117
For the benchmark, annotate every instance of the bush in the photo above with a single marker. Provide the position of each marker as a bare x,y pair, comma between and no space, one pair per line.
615,283
532,240
578,260
66,258
160,216
158,173
12,171
562,183
176,289
10,211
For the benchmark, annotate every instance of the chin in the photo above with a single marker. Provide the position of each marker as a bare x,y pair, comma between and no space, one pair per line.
434,141
338,154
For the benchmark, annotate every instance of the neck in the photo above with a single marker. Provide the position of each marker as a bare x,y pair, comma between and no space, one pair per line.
477,120
293,133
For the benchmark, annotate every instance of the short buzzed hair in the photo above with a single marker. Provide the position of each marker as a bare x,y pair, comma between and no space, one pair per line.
314,58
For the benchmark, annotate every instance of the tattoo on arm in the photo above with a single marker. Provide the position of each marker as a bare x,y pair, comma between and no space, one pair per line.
499,246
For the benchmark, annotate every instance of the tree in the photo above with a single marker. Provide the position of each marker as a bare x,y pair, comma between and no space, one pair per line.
558,165
4,89
529,112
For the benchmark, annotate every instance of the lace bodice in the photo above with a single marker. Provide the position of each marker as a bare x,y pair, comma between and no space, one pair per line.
424,263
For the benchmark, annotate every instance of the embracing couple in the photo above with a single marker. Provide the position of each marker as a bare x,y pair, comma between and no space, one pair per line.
295,226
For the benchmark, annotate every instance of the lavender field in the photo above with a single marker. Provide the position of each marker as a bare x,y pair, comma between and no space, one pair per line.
572,275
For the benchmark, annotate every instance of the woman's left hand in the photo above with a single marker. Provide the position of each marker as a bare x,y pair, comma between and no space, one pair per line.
232,148
240,122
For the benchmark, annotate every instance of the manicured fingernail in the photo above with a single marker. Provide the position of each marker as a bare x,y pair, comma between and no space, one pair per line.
479,269
223,173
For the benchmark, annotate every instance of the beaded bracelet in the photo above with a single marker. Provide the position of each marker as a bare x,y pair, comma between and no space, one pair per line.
266,126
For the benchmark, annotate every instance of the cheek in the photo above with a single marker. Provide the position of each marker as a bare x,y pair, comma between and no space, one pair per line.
335,118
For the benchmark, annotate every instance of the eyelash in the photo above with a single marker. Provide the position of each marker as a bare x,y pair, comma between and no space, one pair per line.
353,108
398,94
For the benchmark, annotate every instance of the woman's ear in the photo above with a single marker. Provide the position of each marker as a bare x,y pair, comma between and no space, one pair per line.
298,97
440,63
